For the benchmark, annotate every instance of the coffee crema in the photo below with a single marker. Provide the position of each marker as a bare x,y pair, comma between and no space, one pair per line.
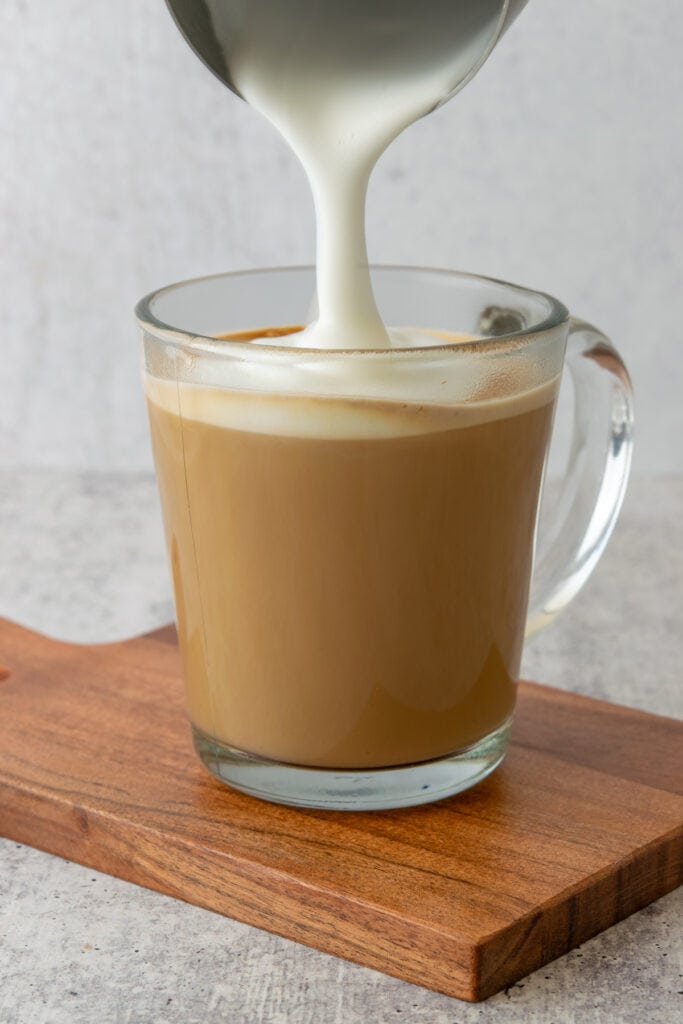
351,575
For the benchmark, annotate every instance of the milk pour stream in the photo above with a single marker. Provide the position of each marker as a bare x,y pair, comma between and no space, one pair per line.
340,80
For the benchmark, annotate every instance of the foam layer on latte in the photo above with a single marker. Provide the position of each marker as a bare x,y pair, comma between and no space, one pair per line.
351,397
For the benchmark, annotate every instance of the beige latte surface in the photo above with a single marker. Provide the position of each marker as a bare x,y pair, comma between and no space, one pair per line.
351,577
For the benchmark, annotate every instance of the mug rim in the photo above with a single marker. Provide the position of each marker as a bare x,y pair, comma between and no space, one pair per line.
558,315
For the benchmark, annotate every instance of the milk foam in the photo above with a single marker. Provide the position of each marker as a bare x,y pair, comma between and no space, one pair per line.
257,404
398,338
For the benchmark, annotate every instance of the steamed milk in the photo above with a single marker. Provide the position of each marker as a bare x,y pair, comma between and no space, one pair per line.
351,574
340,79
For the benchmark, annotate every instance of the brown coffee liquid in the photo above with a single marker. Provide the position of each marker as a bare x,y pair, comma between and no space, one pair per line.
351,603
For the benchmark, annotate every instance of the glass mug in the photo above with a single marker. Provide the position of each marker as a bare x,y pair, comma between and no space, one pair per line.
351,533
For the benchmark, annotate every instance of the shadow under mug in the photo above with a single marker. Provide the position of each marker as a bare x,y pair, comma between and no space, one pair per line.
351,533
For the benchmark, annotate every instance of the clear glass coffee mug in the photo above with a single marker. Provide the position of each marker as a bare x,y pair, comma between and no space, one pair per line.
351,533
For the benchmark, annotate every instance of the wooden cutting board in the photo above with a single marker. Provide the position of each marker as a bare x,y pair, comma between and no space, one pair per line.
581,826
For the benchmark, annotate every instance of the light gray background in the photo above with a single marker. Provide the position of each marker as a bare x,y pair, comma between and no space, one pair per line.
125,165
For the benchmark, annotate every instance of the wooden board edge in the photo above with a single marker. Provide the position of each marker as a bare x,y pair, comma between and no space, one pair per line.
354,930
576,915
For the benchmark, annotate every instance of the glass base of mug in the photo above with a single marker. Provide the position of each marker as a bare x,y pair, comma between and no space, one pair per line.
370,789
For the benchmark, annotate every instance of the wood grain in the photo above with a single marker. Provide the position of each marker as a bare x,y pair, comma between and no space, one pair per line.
581,826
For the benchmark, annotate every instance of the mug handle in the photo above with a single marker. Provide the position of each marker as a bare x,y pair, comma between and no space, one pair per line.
572,538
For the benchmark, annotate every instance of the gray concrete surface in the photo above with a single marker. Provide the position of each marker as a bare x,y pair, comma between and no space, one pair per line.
81,557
